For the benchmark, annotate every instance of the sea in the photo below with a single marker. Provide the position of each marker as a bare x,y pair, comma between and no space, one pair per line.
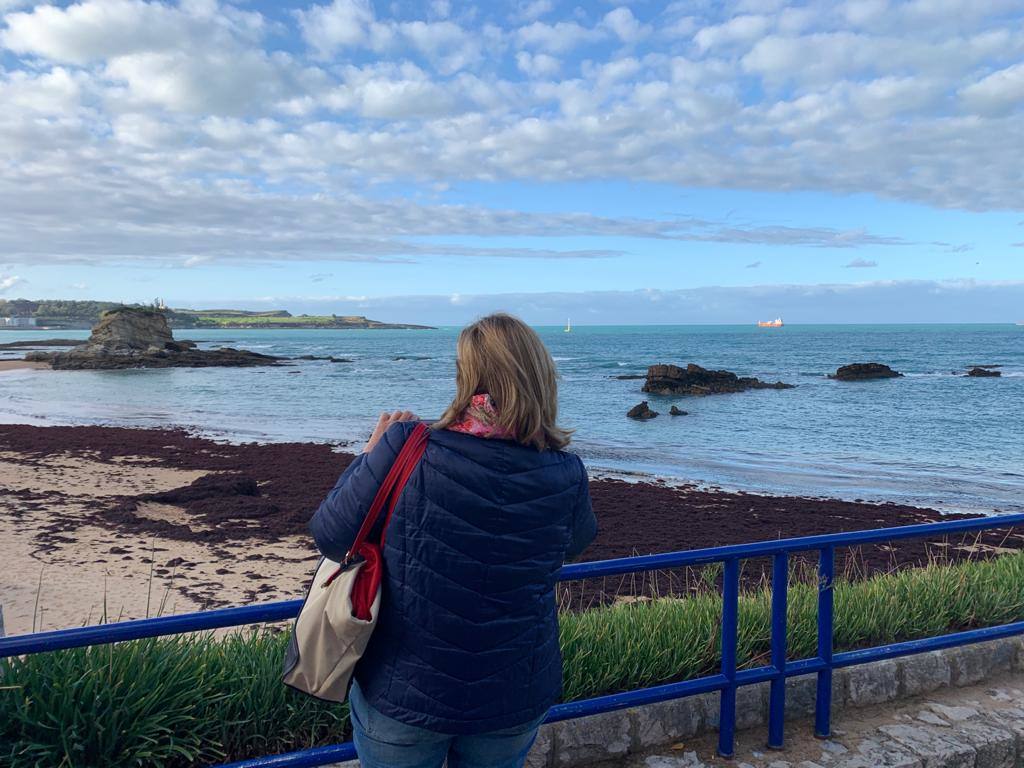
934,437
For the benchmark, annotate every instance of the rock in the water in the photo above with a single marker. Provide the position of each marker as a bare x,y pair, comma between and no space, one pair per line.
641,411
129,337
628,376
864,371
986,371
674,411
694,380
329,358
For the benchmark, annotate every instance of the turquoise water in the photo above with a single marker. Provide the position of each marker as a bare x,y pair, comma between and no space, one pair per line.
929,438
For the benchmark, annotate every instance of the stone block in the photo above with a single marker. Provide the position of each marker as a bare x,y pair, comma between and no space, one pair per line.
666,722
751,706
873,683
953,713
1018,653
874,753
542,752
801,695
970,664
593,738
938,749
686,760
924,673
1012,720
995,747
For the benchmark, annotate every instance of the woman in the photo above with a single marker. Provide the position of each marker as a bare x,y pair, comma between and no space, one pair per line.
464,662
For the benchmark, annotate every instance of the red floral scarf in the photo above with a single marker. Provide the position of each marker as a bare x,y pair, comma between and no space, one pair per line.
480,419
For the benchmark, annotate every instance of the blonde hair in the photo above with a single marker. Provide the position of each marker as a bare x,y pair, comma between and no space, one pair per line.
502,356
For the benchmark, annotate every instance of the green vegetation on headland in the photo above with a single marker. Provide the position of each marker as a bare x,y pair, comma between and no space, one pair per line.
201,699
84,314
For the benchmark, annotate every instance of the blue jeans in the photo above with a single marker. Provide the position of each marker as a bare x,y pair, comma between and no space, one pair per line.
383,742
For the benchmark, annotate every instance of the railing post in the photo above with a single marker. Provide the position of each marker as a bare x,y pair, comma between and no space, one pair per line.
730,610
777,693
823,701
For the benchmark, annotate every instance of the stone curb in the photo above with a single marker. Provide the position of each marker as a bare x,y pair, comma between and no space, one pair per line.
589,741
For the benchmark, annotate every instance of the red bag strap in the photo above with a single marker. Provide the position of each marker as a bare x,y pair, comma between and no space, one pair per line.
392,486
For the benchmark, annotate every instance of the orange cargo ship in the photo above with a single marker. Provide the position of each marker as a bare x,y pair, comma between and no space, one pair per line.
776,323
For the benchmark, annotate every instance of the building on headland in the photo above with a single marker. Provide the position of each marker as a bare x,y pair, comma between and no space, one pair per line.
17,322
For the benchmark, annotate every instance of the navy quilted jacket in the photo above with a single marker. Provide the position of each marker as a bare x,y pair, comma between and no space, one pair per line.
467,638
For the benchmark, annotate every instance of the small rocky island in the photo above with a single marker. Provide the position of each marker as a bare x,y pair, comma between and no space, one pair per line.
694,380
864,372
132,337
984,371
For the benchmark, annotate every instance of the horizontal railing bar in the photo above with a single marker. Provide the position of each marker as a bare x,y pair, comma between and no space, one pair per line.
635,698
755,549
911,647
306,758
138,629
281,611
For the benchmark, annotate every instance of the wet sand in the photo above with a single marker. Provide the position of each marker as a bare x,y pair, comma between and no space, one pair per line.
120,522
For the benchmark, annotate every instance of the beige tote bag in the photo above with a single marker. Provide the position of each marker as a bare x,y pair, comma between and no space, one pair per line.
340,612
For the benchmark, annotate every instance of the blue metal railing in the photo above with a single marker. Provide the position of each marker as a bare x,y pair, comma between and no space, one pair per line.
727,681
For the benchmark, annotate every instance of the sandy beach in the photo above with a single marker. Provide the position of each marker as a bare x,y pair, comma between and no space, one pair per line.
119,523
21,365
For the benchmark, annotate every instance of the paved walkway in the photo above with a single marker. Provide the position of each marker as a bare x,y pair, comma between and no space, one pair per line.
978,726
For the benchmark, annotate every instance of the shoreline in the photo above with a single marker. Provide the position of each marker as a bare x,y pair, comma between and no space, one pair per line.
130,518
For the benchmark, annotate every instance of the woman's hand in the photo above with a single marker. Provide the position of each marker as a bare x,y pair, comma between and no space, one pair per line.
386,420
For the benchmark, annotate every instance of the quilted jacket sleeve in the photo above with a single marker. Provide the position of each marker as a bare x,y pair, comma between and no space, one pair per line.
337,521
584,523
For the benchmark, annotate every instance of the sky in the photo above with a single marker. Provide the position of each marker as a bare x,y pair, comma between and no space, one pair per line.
691,161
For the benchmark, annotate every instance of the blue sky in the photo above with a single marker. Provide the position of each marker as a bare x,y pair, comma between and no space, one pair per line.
444,159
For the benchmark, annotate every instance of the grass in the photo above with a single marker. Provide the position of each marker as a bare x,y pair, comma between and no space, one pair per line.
200,699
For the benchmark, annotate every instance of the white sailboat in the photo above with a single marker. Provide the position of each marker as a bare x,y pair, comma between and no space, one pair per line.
568,325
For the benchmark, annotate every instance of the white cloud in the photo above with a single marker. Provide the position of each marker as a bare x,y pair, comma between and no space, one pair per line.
56,92
534,9
998,92
559,37
537,64
96,30
624,25
739,29
9,281
861,264
342,23
233,82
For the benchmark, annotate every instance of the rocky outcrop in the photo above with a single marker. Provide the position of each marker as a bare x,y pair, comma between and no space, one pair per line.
674,411
864,372
641,411
694,380
130,337
984,371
